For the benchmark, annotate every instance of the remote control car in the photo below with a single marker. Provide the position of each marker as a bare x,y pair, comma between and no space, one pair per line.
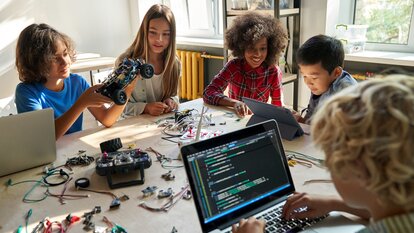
114,85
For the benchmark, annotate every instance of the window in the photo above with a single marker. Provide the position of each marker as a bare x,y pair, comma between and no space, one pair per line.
390,23
190,21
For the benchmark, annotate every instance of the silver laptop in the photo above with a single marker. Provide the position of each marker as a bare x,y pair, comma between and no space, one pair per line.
289,127
245,173
27,140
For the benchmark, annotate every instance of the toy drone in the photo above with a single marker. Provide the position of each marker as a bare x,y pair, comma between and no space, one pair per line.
114,85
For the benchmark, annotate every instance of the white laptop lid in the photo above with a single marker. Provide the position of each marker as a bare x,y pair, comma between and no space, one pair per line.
237,174
27,140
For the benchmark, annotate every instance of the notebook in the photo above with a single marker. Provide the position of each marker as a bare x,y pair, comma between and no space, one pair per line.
289,127
27,140
245,173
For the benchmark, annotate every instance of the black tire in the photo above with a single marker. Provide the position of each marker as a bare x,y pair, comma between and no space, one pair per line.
146,71
120,97
111,145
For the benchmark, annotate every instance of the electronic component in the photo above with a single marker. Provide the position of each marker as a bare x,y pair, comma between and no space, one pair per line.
166,193
82,182
148,191
115,203
179,116
168,176
111,145
122,162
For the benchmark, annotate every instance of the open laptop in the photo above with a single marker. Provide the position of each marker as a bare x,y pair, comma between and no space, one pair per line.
27,140
289,127
245,173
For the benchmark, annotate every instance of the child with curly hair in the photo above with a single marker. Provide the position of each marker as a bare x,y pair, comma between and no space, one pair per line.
256,42
367,134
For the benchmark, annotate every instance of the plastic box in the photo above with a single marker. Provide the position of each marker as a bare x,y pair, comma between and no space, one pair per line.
353,46
353,37
351,31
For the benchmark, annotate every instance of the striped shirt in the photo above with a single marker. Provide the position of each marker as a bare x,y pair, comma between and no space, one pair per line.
243,81
396,224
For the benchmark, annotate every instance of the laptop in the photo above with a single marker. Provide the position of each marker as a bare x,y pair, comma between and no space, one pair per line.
27,140
245,173
289,127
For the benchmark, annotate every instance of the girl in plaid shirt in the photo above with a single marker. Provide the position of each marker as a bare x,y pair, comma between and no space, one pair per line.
256,42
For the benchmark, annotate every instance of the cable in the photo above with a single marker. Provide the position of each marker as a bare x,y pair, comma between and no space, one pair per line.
65,176
307,158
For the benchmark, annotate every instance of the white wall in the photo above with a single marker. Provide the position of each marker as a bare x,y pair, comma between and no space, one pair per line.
107,27
98,26
317,17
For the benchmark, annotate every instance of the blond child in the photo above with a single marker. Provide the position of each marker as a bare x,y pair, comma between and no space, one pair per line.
367,135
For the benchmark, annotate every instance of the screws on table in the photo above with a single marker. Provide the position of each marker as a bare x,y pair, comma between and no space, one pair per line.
168,176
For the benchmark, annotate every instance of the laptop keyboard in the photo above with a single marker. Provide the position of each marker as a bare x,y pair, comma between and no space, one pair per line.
275,223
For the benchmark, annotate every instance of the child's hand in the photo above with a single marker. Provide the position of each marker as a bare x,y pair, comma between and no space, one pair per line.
90,98
303,205
172,105
155,108
297,116
252,225
241,109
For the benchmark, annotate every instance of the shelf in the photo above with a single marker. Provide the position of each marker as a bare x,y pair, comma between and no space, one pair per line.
283,12
380,57
288,78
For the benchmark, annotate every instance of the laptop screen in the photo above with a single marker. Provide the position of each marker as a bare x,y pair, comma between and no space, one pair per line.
237,173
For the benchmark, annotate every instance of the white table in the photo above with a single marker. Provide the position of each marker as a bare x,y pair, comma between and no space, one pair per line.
92,63
143,132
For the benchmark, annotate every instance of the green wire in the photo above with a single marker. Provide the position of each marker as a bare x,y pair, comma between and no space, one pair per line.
29,213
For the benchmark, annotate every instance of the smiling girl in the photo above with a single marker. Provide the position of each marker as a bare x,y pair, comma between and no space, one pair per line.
155,44
256,41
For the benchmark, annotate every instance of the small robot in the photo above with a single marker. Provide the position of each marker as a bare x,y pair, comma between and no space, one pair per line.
114,85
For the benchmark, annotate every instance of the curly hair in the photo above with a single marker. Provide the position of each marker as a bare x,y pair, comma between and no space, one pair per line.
35,51
369,129
249,28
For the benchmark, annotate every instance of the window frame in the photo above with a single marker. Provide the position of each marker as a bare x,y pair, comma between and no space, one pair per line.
409,47
214,30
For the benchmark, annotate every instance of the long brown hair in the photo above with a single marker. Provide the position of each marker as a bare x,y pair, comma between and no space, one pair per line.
35,51
139,48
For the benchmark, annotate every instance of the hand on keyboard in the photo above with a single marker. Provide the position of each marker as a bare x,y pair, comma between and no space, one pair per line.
252,225
303,205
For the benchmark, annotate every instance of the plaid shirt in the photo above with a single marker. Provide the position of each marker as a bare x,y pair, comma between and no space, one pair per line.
244,81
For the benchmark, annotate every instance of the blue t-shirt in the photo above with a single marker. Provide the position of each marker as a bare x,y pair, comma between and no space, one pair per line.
30,97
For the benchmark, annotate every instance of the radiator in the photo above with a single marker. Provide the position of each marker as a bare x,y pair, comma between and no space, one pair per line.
192,75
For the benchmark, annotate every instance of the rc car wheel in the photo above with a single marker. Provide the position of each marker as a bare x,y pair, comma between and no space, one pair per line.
111,145
120,97
147,71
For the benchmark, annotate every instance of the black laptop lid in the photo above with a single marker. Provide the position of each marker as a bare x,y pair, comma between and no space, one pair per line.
237,173
288,125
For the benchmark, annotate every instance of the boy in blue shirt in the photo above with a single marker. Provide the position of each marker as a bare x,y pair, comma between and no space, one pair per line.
43,59
320,61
